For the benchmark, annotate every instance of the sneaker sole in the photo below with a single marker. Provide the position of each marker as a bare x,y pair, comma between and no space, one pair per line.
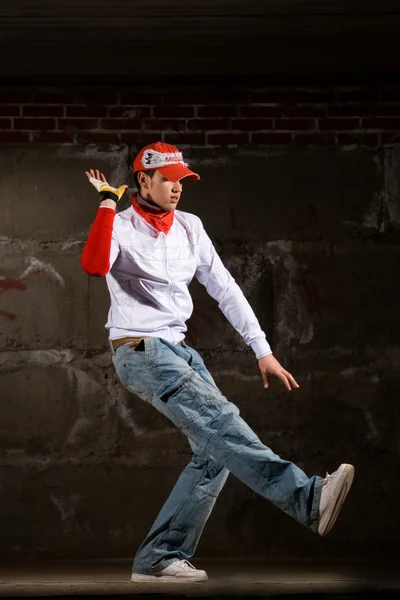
139,578
347,477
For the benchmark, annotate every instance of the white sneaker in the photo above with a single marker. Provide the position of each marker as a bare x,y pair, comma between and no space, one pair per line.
180,570
334,491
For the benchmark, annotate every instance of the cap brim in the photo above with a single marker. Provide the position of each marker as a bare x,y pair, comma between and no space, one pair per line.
177,172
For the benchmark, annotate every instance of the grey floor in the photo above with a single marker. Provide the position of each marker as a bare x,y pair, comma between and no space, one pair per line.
226,578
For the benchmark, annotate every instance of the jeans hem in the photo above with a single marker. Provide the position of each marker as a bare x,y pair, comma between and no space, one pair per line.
160,567
316,502
159,540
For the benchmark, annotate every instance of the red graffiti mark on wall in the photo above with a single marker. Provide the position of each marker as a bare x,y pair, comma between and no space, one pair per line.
8,315
12,284
19,283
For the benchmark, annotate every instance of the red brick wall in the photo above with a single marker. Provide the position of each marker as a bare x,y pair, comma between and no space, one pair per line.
274,116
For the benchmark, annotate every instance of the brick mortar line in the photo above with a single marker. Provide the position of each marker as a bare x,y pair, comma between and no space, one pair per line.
294,138
331,90
239,115
314,127
188,120
165,132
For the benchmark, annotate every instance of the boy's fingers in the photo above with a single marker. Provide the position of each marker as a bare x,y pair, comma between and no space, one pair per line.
291,379
285,380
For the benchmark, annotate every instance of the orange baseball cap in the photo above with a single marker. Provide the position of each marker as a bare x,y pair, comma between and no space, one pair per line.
165,158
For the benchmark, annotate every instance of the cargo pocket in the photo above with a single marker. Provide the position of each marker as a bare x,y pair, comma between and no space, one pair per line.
184,401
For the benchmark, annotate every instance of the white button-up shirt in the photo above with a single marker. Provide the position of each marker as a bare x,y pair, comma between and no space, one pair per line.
149,277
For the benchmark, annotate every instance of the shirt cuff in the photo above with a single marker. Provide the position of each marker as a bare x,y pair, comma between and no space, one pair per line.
261,348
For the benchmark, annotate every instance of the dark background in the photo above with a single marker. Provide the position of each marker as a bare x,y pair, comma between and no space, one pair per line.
125,41
290,111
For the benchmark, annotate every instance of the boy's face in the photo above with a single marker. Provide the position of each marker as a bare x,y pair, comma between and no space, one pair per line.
160,191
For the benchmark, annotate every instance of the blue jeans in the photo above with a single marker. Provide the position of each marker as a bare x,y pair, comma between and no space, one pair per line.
174,379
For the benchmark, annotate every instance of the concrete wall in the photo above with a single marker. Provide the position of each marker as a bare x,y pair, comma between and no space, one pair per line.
311,235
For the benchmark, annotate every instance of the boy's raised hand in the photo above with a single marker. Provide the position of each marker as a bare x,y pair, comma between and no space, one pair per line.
107,192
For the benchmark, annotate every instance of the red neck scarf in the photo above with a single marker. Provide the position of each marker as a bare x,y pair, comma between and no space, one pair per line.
160,220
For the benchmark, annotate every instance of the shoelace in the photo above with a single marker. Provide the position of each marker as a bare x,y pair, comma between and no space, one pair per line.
329,477
186,564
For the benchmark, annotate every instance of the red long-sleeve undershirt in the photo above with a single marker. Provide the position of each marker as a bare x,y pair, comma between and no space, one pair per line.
95,259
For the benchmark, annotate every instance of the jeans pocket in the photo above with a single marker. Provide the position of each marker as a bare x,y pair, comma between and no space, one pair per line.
119,354
185,401
131,370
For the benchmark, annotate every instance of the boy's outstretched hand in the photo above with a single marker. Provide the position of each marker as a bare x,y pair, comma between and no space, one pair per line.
269,364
